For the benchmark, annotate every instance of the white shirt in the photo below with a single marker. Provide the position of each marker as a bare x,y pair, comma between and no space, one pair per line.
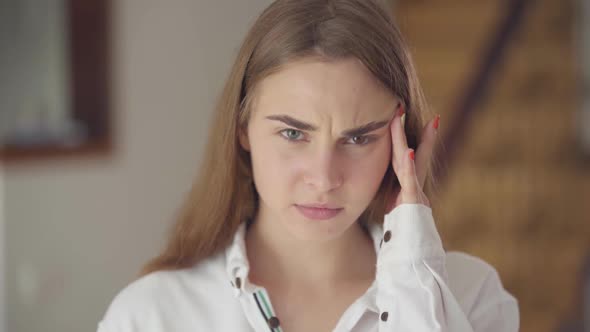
418,287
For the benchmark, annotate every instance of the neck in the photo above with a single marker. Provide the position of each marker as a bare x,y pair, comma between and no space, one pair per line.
276,256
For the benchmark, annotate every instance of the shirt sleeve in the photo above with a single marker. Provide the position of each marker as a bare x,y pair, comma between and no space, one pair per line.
108,326
115,321
412,282
131,310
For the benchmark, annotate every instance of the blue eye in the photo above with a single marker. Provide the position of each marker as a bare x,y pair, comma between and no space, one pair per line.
294,136
359,140
291,134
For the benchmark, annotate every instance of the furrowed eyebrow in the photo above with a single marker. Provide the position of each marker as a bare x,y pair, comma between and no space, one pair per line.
358,131
364,129
293,122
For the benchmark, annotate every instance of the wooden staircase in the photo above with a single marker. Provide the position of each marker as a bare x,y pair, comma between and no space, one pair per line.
517,193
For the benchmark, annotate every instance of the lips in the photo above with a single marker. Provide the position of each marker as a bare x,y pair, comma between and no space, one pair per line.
320,206
318,211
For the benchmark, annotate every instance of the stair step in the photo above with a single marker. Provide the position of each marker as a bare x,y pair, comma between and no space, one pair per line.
509,208
511,137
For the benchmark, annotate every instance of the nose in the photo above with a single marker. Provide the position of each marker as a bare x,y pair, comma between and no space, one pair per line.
324,171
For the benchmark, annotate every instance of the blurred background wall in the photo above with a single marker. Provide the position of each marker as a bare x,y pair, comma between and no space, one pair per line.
78,230
2,255
516,190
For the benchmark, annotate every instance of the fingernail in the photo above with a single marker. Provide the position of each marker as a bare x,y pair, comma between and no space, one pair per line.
436,122
401,110
412,154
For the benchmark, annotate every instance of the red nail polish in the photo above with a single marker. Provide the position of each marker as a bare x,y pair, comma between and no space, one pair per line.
412,154
436,122
401,110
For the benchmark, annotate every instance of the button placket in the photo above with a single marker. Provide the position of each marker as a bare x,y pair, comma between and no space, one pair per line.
273,322
387,236
263,303
238,283
237,286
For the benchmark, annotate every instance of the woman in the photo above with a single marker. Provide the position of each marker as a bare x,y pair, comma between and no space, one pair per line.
309,212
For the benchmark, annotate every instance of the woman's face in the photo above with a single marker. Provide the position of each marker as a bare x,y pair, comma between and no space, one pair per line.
319,134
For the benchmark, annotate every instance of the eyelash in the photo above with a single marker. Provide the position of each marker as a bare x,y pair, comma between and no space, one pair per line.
367,139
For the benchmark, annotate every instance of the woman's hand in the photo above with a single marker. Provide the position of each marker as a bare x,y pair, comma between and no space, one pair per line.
411,173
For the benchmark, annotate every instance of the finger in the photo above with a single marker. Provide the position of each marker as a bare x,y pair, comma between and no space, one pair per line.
398,138
425,151
408,180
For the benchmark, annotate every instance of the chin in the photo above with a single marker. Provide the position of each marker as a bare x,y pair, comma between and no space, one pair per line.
305,229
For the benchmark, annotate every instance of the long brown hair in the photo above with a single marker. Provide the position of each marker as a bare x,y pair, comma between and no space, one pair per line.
223,195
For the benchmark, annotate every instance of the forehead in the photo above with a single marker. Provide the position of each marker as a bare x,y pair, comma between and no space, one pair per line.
337,87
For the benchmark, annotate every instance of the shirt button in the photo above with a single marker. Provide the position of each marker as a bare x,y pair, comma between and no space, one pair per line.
238,282
273,322
387,236
384,316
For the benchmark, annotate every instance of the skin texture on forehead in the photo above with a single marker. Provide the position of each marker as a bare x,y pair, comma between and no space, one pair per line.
333,95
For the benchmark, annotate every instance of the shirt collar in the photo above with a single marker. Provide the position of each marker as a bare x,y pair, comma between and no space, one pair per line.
236,260
237,265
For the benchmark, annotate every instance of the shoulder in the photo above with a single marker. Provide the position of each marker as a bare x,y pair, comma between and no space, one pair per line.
171,285
152,300
477,286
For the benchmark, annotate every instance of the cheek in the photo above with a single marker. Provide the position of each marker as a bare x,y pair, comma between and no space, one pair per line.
367,172
275,167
